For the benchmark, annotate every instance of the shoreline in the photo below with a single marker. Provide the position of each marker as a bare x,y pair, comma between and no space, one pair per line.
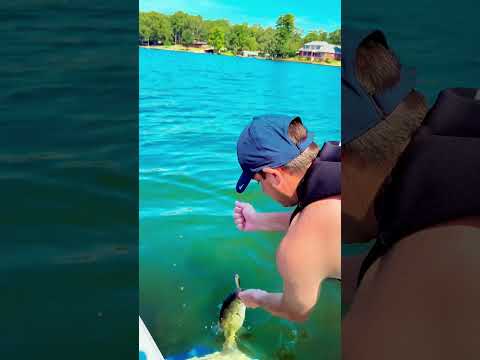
202,51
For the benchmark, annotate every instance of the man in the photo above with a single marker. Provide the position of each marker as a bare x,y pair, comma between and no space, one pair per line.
279,153
408,181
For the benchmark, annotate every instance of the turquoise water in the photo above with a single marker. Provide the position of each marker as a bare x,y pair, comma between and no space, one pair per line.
192,109
69,183
438,39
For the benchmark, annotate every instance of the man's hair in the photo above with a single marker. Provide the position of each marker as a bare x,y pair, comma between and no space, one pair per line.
378,69
298,133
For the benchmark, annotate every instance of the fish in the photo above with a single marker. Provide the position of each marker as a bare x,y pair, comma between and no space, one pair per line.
232,316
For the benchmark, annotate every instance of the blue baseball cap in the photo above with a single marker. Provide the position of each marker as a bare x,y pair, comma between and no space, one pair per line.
362,111
265,143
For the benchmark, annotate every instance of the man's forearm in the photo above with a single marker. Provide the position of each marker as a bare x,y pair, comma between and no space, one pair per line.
272,221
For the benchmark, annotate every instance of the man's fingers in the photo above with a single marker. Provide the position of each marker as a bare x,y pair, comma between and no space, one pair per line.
240,204
237,213
248,298
239,221
238,216
244,296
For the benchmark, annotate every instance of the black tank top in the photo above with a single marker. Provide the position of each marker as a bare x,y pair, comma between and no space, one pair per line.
437,178
322,179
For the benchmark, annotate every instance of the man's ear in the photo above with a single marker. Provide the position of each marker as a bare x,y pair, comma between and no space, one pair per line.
273,174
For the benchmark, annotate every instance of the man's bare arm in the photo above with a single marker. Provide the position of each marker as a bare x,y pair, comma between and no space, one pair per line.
273,221
309,253
278,304
313,241
247,219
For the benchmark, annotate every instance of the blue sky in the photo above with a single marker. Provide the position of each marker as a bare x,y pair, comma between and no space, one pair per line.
309,14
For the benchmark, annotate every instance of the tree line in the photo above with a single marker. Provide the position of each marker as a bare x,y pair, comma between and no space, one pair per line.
283,40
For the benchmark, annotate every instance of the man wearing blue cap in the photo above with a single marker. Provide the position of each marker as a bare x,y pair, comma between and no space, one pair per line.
279,153
408,183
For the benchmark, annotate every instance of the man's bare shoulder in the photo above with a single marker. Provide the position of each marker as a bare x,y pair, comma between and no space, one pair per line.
318,213
313,237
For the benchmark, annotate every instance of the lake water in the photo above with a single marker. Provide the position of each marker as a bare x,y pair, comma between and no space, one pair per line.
192,109
444,55
69,162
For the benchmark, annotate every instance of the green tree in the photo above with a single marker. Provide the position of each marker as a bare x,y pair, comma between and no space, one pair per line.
197,28
145,29
316,36
250,43
294,44
162,30
154,26
265,38
267,41
287,37
179,22
335,37
216,38
286,23
187,28
212,25
240,38
187,37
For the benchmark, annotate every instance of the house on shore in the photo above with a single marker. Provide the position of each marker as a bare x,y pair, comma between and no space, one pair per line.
203,45
321,50
200,44
249,53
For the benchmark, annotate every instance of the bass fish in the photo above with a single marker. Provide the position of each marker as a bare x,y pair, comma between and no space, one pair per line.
232,315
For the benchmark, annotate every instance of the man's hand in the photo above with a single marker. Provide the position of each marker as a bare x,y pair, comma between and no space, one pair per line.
252,298
244,216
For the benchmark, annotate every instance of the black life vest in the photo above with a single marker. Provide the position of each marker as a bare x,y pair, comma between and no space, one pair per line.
437,178
322,179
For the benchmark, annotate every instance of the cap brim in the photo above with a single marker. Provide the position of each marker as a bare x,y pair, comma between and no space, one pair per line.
243,181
